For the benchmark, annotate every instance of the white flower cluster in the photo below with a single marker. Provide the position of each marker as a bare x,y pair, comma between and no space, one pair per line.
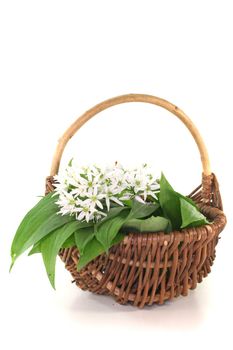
89,192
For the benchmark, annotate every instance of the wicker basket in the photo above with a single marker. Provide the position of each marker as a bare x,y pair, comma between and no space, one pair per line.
147,268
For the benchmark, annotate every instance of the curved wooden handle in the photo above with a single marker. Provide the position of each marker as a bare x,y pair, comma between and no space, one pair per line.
131,98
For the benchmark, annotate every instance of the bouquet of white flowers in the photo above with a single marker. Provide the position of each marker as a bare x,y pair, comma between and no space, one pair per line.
89,192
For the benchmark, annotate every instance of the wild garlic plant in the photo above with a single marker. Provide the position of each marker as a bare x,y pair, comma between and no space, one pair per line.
93,208
88,193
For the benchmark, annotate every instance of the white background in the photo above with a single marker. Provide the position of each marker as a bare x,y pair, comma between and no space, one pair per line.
59,58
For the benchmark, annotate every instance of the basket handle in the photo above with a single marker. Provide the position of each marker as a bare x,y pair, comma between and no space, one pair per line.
131,98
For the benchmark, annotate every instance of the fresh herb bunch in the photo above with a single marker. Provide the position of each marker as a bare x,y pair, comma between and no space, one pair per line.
94,208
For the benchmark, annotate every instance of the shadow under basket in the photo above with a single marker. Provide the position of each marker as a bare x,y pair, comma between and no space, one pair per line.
148,268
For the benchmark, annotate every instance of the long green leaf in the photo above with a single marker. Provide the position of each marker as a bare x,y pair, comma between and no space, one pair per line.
189,200
191,216
35,249
70,242
51,245
38,222
43,209
113,212
94,249
53,222
108,230
170,203
119,237
152,224
142,210
83,236
91,251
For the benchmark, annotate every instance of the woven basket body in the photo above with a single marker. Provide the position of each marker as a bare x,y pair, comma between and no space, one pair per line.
147,268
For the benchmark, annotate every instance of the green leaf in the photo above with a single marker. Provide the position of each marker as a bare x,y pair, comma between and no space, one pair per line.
70,242
191,216
91,251
165,183
152,224
94,249
108,230
38,222
170,203
169,227
119,237
187,199
53,222
113,212
51,245
45,207
142,210
83,236
35,249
